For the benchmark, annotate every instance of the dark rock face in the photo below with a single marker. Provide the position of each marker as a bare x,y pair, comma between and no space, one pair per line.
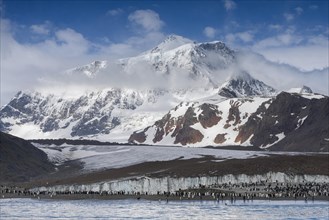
285,116
138,137
186,134
280,117
246,131
220,138
162,128
313,134
217,47
225,92
209,116
20,161
306,89
234,113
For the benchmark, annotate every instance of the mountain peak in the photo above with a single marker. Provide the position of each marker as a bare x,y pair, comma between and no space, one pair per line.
171,42
240,75
241,84
174,37
90,70
306,89
215,46
301,90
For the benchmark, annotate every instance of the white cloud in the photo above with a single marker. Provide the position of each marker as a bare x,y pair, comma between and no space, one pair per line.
276,27
148,19
313,7
283,76
209,32
229,5
304,52
43,29
24,64
289,16
114,12
70,36
245,37
132,46
299,10
280,40
306,58
230,38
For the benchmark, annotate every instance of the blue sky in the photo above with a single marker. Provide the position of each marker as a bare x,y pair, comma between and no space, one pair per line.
98,20
39,37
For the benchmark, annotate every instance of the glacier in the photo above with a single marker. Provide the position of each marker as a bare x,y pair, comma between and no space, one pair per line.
152,186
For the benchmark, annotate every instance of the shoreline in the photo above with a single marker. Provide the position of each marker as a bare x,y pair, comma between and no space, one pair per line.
73,197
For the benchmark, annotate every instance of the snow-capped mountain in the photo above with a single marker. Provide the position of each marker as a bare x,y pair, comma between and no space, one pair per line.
211,113
89,70
34,115
171,42
285,122
241,84
177,54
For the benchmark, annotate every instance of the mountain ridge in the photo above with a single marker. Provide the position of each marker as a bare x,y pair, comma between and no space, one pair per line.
265,123
115,113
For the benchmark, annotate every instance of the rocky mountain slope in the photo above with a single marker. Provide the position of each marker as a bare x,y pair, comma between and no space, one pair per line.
286,122
20,160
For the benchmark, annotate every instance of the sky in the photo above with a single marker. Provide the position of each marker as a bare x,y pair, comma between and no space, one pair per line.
41,38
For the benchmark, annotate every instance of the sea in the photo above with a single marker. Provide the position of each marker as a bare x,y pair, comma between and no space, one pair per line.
22,208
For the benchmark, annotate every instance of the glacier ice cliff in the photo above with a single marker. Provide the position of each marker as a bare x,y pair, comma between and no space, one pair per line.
152,186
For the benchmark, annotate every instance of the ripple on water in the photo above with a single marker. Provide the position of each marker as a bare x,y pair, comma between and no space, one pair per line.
142,209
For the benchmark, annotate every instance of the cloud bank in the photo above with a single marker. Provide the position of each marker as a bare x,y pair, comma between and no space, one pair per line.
142,75
40,64
25,65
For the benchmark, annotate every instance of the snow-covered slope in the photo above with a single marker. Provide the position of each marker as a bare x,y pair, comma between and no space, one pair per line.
97,157
171,42
177,55
255,121
33,115
110,114
241,84
209,111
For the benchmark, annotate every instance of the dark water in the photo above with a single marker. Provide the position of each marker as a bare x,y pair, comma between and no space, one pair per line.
134,209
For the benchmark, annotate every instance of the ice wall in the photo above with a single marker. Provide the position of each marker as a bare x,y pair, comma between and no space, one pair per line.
172,184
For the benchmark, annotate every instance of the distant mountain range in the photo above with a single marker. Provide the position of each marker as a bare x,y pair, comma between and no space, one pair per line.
241,111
